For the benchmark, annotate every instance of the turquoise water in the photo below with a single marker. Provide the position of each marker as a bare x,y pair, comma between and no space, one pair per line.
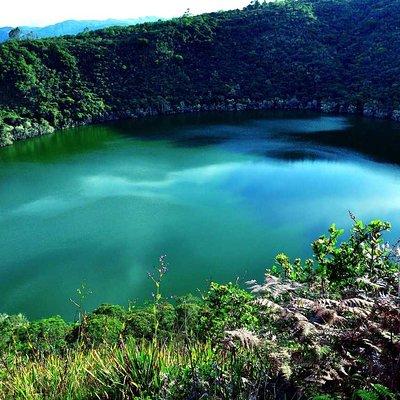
219,194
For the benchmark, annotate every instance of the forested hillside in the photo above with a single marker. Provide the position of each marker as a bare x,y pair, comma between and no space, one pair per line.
334,55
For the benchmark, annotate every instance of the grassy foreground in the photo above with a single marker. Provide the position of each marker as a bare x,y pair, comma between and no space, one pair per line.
325,328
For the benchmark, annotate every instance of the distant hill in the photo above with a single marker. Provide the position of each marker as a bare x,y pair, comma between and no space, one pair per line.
72,27
4,33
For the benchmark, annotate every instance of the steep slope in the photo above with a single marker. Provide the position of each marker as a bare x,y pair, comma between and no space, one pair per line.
334,55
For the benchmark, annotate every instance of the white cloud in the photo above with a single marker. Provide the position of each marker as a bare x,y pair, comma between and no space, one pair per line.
43,12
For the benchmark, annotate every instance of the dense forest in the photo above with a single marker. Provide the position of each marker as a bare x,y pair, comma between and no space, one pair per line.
328,55
325,328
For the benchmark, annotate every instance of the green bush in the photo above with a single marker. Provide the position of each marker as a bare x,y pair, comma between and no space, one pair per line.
44,336
139,323
227,307
188,310
111,310
97,329
10,325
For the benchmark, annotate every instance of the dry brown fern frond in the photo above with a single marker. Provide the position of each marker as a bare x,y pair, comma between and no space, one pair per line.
279,361
328,303
305,329
303,303
356,312
321,376
270,305
378,285
274,286
387,312
357,302
357,306
327,316
295,317
243,336
372,346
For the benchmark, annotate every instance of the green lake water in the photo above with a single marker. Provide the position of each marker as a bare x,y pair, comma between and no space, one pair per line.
219,194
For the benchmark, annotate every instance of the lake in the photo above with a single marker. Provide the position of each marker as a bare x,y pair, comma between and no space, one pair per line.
220,194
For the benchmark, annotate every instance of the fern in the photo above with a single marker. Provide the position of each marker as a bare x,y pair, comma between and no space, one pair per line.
365,395
383,391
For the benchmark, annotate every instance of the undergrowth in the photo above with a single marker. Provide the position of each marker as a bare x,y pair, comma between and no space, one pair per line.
326,328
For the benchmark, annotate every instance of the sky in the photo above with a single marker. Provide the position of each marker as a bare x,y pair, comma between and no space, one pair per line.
45,12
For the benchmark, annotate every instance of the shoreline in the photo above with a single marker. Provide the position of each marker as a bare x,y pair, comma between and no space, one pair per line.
31,128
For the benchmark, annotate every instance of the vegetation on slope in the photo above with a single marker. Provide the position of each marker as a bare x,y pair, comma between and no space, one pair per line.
326,328
334,55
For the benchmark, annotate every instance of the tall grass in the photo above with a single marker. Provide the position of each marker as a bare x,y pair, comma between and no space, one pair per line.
135,369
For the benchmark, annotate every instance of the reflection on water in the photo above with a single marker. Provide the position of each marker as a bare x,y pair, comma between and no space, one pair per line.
51,148
220,194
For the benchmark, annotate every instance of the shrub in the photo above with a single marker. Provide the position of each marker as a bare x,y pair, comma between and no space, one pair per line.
9,328
227,307
111,310
188,311
44,336
97,329
139,323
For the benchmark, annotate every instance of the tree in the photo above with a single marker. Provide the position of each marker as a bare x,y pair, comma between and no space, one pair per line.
187,13
254,4
15,33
